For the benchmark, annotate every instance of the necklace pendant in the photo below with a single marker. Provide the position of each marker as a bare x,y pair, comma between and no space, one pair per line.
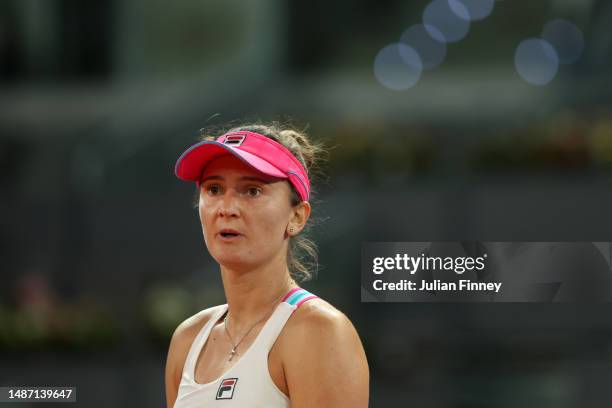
232,354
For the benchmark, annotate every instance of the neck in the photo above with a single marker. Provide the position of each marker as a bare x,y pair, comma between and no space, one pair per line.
253,293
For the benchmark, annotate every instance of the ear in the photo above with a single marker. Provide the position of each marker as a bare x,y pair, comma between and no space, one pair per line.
299,216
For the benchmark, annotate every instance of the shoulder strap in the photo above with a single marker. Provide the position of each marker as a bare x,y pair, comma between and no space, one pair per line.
297,296
290,303
200,339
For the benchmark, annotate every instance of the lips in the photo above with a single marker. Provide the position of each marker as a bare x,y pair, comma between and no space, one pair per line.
228,233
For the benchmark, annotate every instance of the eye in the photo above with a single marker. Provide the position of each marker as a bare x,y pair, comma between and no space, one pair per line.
253,191
213,189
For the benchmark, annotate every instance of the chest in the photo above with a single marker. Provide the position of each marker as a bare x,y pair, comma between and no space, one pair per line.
214,358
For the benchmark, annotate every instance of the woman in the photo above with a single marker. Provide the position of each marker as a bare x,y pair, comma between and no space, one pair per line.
273,344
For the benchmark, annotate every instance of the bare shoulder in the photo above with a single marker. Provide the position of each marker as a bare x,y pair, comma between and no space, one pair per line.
317,315
318,348
318,323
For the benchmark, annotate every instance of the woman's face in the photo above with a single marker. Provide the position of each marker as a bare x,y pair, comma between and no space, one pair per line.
244,214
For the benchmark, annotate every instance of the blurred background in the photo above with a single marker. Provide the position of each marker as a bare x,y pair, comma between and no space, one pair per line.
464,120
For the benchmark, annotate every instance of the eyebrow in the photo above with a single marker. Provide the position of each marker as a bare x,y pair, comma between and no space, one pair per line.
243,178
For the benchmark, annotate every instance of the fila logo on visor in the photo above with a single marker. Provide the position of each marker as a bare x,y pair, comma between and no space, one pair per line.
226,389
234,140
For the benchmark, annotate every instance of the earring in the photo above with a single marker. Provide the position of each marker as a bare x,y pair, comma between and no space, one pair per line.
291,229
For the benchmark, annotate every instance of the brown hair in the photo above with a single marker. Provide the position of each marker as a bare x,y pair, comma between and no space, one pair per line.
302,256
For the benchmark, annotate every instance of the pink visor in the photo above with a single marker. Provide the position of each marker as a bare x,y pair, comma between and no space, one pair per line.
258,151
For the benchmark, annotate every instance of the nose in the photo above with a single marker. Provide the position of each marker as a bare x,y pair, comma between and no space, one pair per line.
228,205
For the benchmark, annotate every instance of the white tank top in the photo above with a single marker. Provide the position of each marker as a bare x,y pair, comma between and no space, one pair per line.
247,383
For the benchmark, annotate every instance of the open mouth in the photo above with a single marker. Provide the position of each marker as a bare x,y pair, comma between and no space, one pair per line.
229,233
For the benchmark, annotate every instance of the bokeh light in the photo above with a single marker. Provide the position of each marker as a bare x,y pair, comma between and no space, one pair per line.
536,61
450,27
567,39
431,51
472,10
398,67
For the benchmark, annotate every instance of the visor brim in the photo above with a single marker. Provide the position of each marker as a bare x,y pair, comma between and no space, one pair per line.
191,164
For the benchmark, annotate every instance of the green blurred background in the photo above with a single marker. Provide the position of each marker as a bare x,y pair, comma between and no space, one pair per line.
102,253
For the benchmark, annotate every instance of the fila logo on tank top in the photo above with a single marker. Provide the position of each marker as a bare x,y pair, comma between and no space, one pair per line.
247,383
226,389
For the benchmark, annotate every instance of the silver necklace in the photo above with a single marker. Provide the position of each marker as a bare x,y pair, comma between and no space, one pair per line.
234,345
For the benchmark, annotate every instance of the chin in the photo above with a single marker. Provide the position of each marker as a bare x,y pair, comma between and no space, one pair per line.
240,258
234,261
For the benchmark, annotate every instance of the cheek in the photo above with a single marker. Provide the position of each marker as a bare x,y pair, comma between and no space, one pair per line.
273,221
205,215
